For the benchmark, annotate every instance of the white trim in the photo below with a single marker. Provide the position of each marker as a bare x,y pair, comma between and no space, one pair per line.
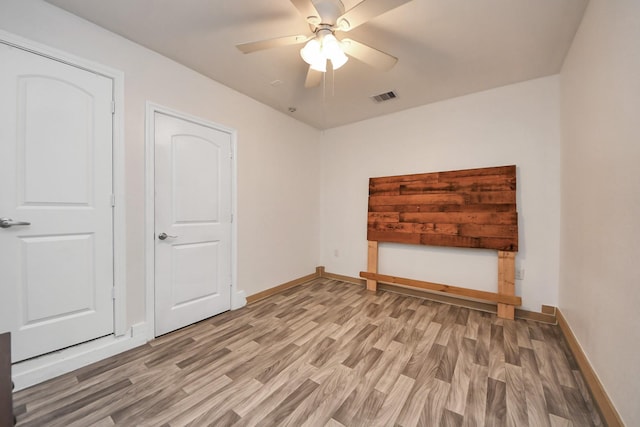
119,217
119,212
149,220
237,296
39,369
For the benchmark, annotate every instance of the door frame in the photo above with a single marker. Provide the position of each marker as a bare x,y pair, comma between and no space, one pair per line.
118,181
237,297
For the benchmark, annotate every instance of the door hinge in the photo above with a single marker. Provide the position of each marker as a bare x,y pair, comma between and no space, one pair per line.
113,107
113,200
113,293
232,218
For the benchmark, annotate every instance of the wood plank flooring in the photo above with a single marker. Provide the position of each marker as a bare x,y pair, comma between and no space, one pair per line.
328,353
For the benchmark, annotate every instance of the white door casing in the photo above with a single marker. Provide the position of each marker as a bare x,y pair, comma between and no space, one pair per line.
193,206
57,273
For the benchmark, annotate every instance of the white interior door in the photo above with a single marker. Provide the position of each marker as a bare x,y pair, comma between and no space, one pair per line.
192,222
56,273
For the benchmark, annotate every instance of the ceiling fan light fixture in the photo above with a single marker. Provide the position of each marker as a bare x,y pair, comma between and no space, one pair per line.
320,65
311,52
313,56
330,46
332,50
318,50
339,60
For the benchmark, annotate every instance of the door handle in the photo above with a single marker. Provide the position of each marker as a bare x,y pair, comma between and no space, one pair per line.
163,236
8,222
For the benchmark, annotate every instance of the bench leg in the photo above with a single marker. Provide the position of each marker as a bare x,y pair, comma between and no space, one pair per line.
372,264
506,282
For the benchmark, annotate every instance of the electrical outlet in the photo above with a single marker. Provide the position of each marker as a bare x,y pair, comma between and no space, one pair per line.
520,273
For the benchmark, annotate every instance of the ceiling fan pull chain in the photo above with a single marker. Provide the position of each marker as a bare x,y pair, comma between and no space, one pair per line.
324,99
324,88
333,82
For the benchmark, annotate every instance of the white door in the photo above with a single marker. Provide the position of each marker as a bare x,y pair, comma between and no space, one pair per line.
56,274
192,222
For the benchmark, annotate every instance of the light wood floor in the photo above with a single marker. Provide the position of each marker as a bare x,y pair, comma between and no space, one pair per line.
328,353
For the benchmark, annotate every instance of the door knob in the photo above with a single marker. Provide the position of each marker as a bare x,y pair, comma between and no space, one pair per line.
163,236
8,222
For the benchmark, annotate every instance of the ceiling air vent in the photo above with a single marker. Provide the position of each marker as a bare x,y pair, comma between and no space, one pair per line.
387,96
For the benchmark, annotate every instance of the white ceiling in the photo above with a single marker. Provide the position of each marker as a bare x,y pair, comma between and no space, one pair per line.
446,48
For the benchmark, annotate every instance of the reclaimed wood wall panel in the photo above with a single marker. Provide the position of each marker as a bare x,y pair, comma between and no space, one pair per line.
473,208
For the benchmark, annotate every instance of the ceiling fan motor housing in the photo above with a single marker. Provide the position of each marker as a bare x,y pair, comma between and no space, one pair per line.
329,11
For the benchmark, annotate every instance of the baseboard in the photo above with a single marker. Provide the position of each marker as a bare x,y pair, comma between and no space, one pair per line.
598,393
43,368
277,289
547,315
342,278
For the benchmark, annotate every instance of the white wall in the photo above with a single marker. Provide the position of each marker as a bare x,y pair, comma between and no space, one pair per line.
277,177
600,244
516,124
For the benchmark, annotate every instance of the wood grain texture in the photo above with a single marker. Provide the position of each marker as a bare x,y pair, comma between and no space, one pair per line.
471,293
328,353
372,264
473,208
506,282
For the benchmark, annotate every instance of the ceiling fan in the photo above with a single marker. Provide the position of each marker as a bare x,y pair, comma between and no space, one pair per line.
325,18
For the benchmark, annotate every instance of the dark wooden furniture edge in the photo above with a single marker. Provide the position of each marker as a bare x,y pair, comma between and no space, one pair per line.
6,387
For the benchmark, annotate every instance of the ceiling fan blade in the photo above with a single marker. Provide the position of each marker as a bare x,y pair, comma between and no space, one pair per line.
313,78
268,44
368,55
306,8
366,10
